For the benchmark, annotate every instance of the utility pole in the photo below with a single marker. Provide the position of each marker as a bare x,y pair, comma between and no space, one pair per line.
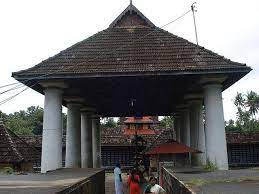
193,7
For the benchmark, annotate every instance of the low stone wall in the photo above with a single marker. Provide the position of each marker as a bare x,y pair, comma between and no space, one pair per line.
92,185
171,184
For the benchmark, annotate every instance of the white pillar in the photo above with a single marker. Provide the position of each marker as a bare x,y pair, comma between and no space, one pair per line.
186,126
96,137
86,140
177,126
197,132
73,136
51,158
214,126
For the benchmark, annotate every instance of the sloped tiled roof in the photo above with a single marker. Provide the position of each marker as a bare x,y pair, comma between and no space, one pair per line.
171,148
132,45
242,137
117,136
14,149
145,119
139,132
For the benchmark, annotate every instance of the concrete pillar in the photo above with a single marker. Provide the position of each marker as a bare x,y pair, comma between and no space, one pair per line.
96,137
51,158
86,140
177,126
214,126
197,132
186,126
73,136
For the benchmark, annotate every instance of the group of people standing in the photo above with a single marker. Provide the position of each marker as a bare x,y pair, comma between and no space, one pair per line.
133,183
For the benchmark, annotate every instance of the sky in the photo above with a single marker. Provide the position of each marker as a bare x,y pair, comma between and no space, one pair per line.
32,31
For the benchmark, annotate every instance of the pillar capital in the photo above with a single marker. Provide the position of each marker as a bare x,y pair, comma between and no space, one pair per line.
96,116
182,108
191,97
87,110
176,115
208,80
53,84
213,85
74,100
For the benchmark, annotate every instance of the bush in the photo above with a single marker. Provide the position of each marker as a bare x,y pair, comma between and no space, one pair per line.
210,166
8,170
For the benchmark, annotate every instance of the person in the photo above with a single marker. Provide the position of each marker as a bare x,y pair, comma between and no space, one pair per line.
133,182
118,179
153,188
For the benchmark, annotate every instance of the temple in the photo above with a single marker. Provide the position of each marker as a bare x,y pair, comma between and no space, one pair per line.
140,125
132,61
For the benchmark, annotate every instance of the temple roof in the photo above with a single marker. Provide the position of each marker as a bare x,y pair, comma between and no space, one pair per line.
171,148
131,45
138,120
131,16
14,149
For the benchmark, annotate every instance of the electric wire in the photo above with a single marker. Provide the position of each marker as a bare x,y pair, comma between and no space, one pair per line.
14,88
4,86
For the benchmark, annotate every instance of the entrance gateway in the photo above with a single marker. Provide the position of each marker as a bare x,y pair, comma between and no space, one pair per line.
131,61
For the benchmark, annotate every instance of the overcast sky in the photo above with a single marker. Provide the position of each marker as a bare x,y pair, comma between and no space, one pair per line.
32,31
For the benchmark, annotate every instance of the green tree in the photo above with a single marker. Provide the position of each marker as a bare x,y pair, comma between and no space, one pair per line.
252,102
109,122
167,122
29,122
247,108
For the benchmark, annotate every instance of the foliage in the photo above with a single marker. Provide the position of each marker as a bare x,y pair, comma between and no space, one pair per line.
210,166
231,127
29,122
247,109
8,170
109,122
167,122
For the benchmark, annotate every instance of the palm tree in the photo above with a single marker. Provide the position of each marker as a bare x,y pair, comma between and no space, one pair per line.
239,100
252,103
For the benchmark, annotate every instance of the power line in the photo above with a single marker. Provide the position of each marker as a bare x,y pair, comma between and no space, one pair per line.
100,54
10,98
4,86
13,88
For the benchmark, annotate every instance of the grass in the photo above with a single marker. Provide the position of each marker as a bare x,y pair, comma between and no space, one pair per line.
210,166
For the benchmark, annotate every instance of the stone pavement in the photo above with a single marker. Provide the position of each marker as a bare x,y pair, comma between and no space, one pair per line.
109,184
242,181
36,183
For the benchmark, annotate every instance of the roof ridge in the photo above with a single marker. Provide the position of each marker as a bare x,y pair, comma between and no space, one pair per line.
23,141
130,9
11,143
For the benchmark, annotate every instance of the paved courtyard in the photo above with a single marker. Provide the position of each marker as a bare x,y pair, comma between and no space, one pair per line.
109,184
36,183
241,181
